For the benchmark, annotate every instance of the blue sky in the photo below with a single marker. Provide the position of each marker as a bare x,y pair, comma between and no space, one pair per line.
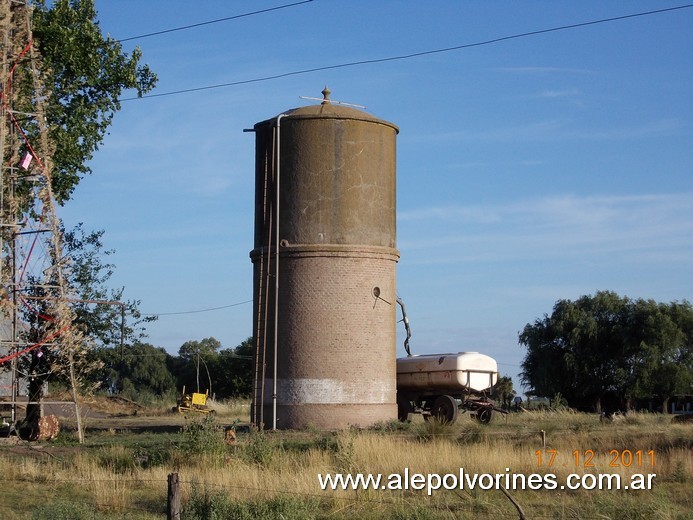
528,170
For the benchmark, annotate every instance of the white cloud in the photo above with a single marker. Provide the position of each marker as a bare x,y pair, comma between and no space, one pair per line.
211,185
484,214
557,130
641,227
658,127
535,130
551,94
543,70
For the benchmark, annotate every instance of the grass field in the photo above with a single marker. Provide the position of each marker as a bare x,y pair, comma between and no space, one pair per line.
122,473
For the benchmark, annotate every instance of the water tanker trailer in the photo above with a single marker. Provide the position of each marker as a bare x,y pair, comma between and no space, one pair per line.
442,385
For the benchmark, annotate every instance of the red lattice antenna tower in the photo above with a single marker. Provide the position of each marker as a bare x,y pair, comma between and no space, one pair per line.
35,317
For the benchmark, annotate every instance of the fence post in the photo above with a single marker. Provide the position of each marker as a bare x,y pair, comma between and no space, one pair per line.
173,504
543,439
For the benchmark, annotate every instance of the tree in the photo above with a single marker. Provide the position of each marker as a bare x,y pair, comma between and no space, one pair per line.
670,350
100,311
136,371
503,391
206,365
235,369
86,74
66,79
606,350
206,348
199,354
98,321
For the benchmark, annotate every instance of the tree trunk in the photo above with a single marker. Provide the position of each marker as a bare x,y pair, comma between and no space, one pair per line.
33,411
37,378
78,416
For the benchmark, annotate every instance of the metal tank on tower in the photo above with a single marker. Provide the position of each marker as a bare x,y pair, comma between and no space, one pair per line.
324,263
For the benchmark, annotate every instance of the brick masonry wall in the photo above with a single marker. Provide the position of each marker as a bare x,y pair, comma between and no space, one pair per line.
336,346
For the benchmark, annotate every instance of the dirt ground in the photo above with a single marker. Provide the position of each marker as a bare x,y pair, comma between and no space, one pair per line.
98,414
104,413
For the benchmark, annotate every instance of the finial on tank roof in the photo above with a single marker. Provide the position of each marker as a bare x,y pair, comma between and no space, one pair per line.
326,95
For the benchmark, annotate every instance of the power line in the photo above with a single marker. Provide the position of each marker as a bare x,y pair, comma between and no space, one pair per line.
196,311
415,54
191,26
230,354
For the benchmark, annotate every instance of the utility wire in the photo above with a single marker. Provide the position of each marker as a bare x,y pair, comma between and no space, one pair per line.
191,26
196,311
415,54
232,355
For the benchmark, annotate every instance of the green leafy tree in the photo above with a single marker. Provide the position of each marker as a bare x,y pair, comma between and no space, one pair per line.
607,350
206,348
671,354
102,324
137,371
206,365
196,362
503,391
101,312
234,370
86,74
72,77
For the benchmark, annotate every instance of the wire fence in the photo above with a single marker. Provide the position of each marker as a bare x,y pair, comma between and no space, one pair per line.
50,492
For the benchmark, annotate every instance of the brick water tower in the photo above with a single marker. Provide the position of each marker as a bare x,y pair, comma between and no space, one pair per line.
324,263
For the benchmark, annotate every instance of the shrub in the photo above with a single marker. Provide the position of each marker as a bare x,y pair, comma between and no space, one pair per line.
258,450
434,428
218,506
392,426
118,459
152,456
202,437
204,505
345,454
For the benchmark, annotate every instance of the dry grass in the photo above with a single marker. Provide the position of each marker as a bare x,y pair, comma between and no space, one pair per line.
265,468
231,408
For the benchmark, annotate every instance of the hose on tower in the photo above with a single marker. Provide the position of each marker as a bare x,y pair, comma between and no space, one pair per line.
405,320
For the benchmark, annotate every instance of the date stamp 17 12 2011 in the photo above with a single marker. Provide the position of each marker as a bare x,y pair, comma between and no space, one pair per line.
587,458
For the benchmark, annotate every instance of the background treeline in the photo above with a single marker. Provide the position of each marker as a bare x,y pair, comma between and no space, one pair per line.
606,352
598,353
143,372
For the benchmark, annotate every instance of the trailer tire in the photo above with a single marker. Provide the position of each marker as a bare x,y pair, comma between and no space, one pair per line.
404,409
485,415
445,409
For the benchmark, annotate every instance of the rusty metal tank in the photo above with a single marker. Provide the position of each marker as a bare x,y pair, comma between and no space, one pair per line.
324,270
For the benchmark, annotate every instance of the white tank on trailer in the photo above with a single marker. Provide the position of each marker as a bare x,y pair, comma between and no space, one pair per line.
449,373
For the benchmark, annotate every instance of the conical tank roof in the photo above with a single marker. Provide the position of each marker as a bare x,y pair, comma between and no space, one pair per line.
328,109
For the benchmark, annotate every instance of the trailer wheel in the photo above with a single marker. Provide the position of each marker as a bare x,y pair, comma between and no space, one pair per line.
404,409
445,409
484,415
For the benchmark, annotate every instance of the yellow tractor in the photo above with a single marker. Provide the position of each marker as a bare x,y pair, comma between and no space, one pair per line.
194,402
